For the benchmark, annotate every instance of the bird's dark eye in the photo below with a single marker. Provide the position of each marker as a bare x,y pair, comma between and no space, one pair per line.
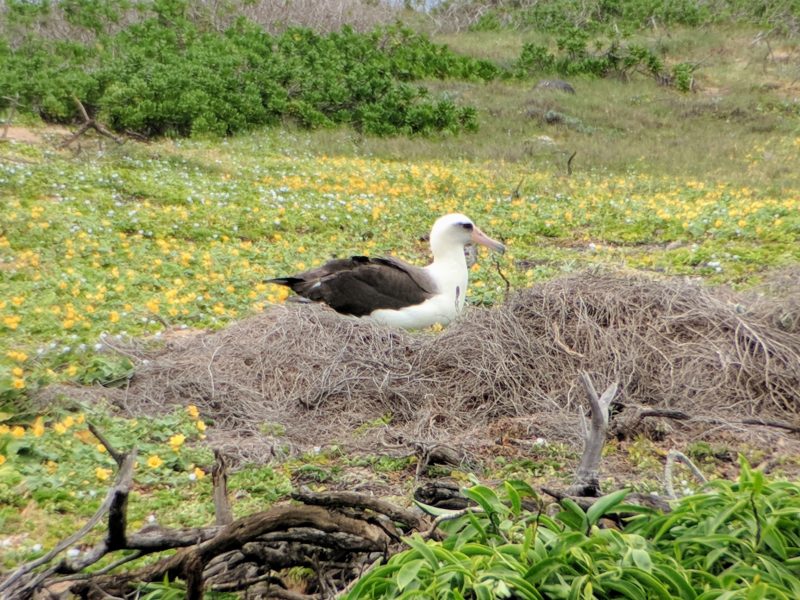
467,226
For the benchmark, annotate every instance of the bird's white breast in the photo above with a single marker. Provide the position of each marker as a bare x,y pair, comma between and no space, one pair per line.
451,280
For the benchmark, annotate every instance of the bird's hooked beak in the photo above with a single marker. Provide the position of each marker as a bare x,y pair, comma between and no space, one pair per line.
478,237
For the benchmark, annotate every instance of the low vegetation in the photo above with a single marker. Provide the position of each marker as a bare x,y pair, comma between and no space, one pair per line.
677,156
734,540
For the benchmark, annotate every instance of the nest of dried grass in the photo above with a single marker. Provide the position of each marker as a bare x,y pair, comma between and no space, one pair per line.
316,377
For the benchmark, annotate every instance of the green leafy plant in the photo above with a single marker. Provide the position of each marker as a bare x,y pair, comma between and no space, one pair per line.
737,540
167,75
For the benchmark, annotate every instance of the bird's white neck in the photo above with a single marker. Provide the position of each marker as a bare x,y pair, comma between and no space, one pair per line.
449,270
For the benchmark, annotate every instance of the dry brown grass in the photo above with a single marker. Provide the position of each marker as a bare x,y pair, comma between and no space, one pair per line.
316,377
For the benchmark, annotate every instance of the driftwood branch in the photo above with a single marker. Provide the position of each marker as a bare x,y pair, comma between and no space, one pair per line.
356,500
632,424
88,123
118,457
587,478
672,457
569,162
336,534
451,517
219,479
17,583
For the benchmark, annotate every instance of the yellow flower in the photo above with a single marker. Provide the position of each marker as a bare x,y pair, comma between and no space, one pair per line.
84,435
80,418
59,428
69,422
17,431
201,426
17,356
113,316
154,461
4,429
12,321
17,372
192,411
72,370
38,427
199,473
102,474
2,459
176,441
18,383
100,448
51,466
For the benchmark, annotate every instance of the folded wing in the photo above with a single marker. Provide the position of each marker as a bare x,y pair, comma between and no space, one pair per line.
360,285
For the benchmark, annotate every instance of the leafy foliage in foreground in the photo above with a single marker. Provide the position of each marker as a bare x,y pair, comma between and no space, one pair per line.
737,540
167,75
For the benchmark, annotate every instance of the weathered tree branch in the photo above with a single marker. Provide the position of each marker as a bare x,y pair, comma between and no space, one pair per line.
587,478
15,582
88,123
672,457
356,500
219,478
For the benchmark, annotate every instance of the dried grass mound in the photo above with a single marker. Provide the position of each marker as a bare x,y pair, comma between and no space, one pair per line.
319,376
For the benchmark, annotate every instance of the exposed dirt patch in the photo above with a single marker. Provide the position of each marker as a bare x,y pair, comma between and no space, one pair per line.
34,135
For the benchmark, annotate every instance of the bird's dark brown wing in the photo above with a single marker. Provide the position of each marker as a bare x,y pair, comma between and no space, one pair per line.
359,285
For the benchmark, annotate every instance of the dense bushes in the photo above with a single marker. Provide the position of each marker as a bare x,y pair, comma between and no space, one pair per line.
573,57
165,75
735,540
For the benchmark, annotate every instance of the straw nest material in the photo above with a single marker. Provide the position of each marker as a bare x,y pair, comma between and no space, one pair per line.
314,376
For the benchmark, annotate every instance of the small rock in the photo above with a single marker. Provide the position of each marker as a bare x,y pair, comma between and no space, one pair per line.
555,84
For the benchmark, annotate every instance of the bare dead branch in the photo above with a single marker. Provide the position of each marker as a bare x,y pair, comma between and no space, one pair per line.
219,478
88,123
569,162
356,500
118,457
672,457
587,480
123,482
475,510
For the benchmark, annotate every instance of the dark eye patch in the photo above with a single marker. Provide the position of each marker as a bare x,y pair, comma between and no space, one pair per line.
467,226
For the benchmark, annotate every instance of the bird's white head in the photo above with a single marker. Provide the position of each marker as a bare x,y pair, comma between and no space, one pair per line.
454,231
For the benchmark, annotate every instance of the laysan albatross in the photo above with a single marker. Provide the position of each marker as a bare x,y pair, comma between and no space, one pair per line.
394,292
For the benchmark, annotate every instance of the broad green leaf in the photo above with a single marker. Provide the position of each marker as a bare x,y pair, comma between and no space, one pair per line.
433,510
679,581
418,544
641,558
513,497
408,573
604,505
485,498
541,570
482,591
573,516
626,588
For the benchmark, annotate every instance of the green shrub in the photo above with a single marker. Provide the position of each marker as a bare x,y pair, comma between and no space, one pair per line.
573,57
164,75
